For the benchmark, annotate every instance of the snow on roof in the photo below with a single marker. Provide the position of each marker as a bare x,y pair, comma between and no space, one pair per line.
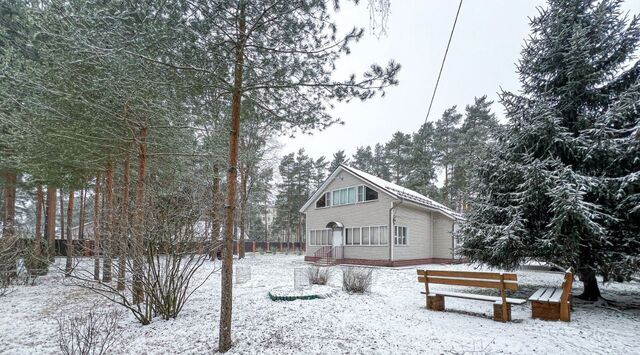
403,192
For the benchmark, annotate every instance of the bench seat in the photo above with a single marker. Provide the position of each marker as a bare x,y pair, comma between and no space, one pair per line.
547,294
471,296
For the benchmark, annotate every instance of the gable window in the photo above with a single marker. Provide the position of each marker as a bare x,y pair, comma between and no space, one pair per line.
400,235
347,196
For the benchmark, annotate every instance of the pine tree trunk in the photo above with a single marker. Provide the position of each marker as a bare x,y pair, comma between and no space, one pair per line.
38,232
62,221
591,290
108,224
69,265
215,212
124,226
96,230
83,196
51,221
9,225
226,297
243,206
138,220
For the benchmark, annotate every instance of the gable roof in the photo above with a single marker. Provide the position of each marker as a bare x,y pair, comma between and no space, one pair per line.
390,188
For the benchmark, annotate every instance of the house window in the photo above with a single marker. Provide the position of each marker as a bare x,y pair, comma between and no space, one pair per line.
374,235
319,237
347,196
370,194
400,235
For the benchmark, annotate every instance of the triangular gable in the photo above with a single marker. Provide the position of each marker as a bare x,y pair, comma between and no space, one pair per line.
316,195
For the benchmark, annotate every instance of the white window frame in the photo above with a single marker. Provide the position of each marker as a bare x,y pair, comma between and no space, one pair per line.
382,236
360,195
313,242
395,236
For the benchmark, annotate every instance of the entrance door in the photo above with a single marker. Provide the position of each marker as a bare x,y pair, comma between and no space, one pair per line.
337,237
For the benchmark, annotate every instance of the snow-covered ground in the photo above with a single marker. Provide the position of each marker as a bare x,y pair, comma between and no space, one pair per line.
391,319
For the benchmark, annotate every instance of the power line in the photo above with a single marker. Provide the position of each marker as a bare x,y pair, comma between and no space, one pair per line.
443,60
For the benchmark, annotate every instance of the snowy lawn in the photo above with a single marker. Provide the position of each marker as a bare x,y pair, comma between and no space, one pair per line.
391,319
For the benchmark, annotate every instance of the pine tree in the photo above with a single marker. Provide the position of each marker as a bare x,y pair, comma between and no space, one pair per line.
446,143
339,157
398,157
560,184
363,159
423,161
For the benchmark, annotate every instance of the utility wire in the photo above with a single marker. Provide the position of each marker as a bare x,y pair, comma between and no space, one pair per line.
435,89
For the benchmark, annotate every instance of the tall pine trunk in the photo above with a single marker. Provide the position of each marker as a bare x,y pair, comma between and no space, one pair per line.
82,217
124,225
62,221
216,219
108,224
226,297
96,229
51,221
38,232
9,225
138,220
243,205
69,266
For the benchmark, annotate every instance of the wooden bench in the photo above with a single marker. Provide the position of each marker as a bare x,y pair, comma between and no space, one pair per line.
501,281
550,303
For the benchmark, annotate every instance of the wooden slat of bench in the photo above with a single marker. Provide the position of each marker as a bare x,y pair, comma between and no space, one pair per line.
471,296
510,285
536,295
470,274
555,298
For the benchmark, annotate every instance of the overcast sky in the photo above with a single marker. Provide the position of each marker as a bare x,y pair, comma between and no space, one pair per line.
481,60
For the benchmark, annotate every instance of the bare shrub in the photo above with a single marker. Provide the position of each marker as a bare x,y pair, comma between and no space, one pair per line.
318,275
9,255
357,279
36,259
174,250
90,334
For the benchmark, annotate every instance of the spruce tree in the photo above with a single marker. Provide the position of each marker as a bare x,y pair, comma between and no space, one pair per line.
560,185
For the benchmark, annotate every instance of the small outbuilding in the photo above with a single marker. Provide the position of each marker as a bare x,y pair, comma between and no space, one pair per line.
358,218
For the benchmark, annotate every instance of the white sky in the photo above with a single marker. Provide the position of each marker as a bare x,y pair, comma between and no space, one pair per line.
481,60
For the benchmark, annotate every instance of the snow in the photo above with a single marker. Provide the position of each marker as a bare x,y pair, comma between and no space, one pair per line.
390,319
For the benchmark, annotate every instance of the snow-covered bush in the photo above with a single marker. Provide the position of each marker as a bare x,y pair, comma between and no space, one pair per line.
357,279
89,334
318,275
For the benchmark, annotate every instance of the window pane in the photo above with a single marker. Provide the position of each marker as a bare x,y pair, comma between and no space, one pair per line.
360,193
352,195
324,237
348,236
343,196
358,241
321,202
384,235
375,235
356,235
312,237
328,198
371,194
336,198
366,235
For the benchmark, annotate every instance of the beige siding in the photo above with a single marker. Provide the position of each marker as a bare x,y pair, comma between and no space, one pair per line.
418,222
372,213
443,238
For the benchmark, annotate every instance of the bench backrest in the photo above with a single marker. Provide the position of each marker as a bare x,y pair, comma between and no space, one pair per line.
497,280
565,307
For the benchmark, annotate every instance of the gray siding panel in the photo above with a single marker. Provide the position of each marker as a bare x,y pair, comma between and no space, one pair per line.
443,237
418,222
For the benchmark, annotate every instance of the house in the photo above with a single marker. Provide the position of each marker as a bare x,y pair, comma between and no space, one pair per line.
358,218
